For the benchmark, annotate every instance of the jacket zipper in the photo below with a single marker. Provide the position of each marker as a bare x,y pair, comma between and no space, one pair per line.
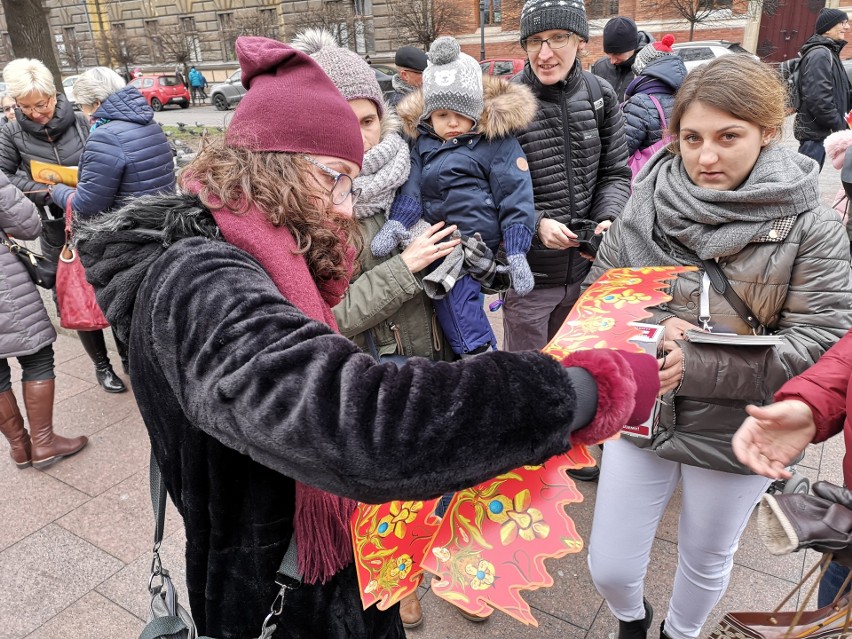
569,173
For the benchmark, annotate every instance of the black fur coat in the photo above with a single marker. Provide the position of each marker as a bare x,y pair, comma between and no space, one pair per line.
242,393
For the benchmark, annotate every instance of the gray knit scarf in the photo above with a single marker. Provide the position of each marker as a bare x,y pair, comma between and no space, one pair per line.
386,168
670,220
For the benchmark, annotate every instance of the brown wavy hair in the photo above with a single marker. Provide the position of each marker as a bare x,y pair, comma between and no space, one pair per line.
746,88
281,185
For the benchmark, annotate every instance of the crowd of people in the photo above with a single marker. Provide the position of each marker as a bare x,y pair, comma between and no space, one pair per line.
305,299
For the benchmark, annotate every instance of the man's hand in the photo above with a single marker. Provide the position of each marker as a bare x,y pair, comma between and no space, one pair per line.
555,235
773,436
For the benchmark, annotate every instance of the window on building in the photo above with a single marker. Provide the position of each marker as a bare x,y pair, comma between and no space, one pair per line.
229,35
492,9
596,9
269,19
71,56
193,43
152,37
715,4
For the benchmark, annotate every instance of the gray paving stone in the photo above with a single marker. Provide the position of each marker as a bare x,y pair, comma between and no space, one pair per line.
92,409
120,521
91,617
113,454
29,499
44,574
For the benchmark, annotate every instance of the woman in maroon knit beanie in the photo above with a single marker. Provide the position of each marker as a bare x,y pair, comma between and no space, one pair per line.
265,422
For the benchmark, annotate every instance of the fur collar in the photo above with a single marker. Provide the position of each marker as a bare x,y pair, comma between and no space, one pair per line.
509,109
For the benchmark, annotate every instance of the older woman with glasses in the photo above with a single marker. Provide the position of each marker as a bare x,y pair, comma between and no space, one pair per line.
47,129
8,104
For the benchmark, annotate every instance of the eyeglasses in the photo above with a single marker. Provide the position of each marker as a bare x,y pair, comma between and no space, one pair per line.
9,109
554,42
343,186
41,107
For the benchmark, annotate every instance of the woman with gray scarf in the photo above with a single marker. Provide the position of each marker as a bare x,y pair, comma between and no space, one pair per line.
725,194
384,310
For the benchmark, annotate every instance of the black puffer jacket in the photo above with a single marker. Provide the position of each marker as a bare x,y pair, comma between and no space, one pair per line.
60,141
577,170
620,75
824,89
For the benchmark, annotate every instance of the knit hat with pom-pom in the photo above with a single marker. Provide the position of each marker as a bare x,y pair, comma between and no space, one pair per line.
353,77
452,81
653,51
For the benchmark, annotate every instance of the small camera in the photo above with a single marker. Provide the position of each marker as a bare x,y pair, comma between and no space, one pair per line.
585,232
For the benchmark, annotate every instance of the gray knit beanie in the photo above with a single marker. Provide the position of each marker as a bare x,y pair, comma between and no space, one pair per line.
353,77
544,15
452,80
653,51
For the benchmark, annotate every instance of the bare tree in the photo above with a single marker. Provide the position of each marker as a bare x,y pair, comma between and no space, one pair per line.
695,12
175,45
30,36
124,50
256,22
335,17
423,21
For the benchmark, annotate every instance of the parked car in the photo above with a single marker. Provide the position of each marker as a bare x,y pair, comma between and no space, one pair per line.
700,52
161,90
502,66
228,93
67,88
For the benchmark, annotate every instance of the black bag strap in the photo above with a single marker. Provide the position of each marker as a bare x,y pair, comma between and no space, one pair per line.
287,576
722,286
593,86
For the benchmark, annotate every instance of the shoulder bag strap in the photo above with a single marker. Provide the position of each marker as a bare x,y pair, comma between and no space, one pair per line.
722,286
593,86
660,112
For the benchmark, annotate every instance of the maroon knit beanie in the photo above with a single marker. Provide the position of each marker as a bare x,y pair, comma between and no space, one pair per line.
291,105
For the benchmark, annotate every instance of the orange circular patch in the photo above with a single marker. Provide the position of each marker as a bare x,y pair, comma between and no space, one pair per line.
522,163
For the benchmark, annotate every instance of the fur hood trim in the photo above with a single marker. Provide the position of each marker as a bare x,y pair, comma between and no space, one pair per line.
391,122
836,145
509,109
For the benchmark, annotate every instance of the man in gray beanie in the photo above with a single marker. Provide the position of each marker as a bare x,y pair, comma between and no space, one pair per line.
579,176
622,40
823,85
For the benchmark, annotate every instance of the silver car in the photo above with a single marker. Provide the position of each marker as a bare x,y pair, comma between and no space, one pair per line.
228,93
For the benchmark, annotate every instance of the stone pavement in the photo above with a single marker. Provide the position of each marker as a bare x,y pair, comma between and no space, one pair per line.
75,548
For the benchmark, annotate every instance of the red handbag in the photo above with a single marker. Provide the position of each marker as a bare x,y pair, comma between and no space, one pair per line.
75,297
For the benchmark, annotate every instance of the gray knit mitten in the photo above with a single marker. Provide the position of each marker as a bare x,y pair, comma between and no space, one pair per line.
388,238
519,271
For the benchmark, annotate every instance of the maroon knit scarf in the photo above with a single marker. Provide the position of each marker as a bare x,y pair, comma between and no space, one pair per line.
321,520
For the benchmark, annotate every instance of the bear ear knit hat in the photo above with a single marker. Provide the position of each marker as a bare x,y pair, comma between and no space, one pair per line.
411,58
620,35
828,18
452,81
291,105
352,76
544,15
653,51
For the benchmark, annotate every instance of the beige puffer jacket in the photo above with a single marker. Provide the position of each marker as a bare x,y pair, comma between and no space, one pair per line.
799,288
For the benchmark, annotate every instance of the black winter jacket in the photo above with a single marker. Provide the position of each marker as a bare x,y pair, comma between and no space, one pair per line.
577,171
60,141
619,75
241,394
824,89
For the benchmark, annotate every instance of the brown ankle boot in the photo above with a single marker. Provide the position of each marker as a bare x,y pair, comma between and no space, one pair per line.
410,611
12,427
48,448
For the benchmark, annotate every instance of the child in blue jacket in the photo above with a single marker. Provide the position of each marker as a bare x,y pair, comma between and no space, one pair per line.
467,169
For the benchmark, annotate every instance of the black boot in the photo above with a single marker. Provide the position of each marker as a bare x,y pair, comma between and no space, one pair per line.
93,342
663,634
636,629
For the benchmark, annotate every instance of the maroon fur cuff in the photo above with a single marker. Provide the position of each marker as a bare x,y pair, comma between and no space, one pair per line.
616,393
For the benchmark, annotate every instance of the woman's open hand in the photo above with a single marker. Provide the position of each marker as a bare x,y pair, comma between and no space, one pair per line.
429,246
772,437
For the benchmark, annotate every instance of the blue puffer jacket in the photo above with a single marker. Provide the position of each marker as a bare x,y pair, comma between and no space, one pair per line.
661,78
125,157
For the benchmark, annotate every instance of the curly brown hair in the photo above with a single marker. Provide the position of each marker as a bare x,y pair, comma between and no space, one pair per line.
281,185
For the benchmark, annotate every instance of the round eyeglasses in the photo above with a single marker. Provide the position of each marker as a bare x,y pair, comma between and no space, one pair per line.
534,43
343,186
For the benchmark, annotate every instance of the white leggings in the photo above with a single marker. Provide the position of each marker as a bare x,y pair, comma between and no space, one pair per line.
634,487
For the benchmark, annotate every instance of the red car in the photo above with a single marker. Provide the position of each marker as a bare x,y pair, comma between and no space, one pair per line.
503,66
161,90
